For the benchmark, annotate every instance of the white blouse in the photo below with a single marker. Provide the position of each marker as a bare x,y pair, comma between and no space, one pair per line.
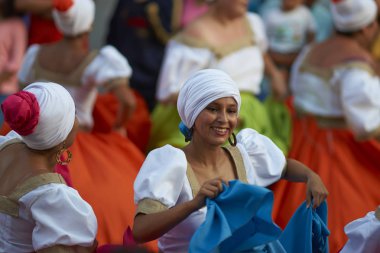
350,91
163,179
108,65
287,30
244,64
363,235
49,215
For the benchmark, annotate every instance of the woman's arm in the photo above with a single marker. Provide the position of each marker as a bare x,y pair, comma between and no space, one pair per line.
127,105
298,172
149,227
278,83
34,6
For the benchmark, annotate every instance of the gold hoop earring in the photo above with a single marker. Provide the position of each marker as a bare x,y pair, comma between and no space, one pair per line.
60,155
234,140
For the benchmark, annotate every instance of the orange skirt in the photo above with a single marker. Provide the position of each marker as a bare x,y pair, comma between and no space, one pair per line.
349,169
103,170
138,126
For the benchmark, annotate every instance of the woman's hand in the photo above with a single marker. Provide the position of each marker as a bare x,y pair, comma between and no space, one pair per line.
209,189
316,191
296,171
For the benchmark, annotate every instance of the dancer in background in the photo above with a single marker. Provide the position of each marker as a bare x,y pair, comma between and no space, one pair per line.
105,164
13,41
336,90
229,38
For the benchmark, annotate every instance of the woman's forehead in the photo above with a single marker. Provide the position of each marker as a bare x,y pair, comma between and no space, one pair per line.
225,100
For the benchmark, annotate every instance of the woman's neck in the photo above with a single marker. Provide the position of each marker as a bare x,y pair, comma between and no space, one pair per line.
42,160
224,19
204,155
77,43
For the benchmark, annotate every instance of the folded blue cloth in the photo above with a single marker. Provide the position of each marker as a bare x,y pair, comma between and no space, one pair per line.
240,220
307,231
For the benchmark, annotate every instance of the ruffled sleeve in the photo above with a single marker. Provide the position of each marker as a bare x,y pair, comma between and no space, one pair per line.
61,217
258,30
160,180
263,160
360,93
363,234
109,68
25,74
180,61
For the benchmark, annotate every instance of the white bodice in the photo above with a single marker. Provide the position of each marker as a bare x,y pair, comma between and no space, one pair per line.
108,65
244,64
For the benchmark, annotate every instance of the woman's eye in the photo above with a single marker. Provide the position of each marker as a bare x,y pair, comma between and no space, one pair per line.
212,109
232,111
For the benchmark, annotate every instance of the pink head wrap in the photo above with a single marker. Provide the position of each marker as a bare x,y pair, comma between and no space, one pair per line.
21,112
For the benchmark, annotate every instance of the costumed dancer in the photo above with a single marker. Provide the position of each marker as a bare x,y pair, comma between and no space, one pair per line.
38,211
336,90
105,164
171,193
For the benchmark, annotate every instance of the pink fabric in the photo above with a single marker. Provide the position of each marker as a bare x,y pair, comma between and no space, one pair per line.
63,170
12,49
191,10
21,111
128,243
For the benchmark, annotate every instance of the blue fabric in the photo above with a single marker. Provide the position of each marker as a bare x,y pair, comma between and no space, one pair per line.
224,231
240,220
307,231
185,131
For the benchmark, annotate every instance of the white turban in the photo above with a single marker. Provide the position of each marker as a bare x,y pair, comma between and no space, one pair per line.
77,19
56,117
353,15
202,88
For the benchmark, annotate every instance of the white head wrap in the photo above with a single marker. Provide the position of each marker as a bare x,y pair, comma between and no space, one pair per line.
77,19
57,115
353,15
202,88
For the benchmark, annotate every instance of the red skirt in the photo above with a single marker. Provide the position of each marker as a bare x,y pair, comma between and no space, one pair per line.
349,169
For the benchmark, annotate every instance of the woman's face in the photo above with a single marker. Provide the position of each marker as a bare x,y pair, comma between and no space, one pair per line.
217,121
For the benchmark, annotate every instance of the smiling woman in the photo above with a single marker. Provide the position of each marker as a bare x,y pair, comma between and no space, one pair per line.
171,193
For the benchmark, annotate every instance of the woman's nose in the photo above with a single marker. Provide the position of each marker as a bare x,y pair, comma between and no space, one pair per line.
222,116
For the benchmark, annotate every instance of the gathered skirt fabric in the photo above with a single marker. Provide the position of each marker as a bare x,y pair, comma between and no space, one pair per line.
103,169
350,170
138,126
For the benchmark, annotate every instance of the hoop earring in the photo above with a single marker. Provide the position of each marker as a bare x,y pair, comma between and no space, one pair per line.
59,156
234,140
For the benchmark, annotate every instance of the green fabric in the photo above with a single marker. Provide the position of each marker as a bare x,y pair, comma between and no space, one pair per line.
165,121
280,118
270,118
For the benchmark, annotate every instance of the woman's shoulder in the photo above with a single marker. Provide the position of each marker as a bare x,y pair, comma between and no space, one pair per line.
167,155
